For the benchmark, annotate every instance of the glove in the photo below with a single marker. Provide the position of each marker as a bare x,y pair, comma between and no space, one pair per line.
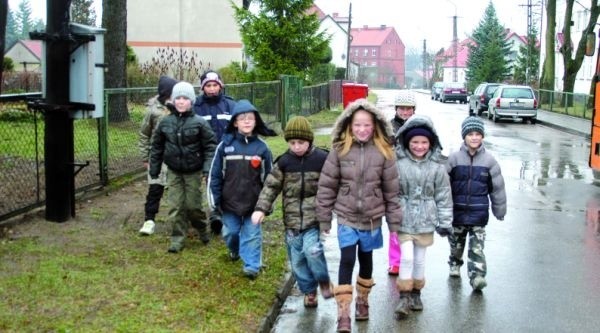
444,231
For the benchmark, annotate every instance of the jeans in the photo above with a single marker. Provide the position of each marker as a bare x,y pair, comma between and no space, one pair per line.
244,238
307,259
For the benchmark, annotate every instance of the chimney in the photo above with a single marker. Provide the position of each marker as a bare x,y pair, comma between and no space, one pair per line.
335,15
365,26
383,26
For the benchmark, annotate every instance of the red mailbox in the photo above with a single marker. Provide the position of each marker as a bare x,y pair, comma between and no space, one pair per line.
353,91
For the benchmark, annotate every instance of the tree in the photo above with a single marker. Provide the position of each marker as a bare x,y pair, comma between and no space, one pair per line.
114,20
281,38
24,19
548,70
12,30
487,55
82,11
528,60
572,62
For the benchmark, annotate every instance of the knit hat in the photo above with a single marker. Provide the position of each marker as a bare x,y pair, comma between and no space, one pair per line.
184,89
423,131
405,98
210,76
471,124
165,87
298,128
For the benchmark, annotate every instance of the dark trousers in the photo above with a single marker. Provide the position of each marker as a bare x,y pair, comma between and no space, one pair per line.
155,193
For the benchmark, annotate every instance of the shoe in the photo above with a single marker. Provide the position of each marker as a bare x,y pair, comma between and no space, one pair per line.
310,300
326,289
175,247
234,256
204,238
147,228
478,283
250,274
454,271
393,270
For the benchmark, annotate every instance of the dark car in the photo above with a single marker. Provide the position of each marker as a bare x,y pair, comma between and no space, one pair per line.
453,91
436,89
478,102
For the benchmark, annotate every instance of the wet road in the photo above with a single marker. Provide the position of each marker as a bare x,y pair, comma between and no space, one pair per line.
543,259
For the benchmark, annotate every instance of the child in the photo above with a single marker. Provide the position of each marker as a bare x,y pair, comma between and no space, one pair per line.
359,182
476,179
156,108
405,104
296,176
186,144
241,164
426,203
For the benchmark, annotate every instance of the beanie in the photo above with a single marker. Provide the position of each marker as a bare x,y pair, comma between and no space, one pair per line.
210,76
405,98
184,89
471,124
415,131
298,128
165,87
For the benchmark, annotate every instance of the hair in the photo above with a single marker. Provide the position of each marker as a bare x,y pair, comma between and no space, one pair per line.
380,140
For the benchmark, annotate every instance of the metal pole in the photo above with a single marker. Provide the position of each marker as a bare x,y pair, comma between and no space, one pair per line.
455,46
58,136
349,41
425,69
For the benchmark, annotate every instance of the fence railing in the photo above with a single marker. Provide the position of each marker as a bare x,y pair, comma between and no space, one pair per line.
573,104
109,144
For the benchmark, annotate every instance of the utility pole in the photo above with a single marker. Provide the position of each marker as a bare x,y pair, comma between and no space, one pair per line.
348,42
425,68
455,48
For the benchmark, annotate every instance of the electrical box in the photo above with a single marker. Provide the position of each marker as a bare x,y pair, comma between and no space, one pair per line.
86,71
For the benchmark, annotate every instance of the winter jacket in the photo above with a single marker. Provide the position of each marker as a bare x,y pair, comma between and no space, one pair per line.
425,195
296,178
362,186
240,166
184,142
216,110
396,122
476,180
154,112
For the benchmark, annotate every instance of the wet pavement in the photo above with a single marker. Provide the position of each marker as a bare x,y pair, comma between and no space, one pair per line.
543,259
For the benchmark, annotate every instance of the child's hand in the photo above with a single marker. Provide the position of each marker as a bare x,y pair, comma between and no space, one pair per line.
326,232
257,217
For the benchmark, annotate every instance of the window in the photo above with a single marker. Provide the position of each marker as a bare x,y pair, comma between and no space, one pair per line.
374,63
356,52
374,52
366,54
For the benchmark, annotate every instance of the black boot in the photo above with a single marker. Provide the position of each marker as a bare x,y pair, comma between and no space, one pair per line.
415,300
215,222
403,308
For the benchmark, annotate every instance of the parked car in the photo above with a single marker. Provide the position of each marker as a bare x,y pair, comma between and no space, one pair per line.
478,101
453,91
512,101
436,89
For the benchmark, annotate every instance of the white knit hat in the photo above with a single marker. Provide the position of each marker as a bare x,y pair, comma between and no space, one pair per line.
184,89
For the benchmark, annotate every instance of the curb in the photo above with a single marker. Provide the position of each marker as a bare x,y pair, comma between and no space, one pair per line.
268,321
564,129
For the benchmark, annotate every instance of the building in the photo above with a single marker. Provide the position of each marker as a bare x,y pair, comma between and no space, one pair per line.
379,51
26,55
206,28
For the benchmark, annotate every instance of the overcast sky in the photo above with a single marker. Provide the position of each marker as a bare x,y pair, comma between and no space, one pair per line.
413,20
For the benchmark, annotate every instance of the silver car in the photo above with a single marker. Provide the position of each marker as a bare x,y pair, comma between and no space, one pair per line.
511,101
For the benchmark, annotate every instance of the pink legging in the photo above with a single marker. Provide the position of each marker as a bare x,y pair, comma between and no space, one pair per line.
394,251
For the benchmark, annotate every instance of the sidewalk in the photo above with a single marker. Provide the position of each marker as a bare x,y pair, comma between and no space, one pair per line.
573,125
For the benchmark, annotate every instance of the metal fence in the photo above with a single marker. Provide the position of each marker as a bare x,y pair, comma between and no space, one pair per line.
573,104
108,145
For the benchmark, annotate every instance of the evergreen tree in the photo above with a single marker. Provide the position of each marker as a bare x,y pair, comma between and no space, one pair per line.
82,11
528,60
24,19
487,57
281,38
12,30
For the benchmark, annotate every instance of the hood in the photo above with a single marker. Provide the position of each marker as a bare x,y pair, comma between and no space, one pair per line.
243,106
418,120
165,88
343,121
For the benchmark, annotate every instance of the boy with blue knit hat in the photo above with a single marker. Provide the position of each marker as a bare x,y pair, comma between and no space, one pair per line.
186,143
476,181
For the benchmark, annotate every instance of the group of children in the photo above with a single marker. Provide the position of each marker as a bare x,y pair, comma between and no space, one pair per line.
373,173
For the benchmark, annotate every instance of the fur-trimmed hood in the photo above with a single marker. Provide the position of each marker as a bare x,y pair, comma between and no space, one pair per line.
343,121
418,120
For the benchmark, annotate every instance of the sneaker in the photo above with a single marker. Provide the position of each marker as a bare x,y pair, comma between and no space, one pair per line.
234,256
310,300
478,283
326,289
454,271
250,274
175,247
393,270
147,228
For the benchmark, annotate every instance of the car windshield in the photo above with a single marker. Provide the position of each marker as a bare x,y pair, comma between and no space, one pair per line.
517,93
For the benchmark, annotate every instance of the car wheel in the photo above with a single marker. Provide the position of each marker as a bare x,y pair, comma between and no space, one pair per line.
479,112
470,110
495,117
489,114
533,120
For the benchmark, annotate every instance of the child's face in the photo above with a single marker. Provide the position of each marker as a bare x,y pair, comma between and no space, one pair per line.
182,104
245,123
363,125
298,146
473,140
405,112
211,88
419,146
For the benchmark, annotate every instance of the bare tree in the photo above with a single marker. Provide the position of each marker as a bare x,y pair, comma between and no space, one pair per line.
114,20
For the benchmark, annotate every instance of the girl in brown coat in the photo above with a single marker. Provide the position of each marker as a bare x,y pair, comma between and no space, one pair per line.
359,182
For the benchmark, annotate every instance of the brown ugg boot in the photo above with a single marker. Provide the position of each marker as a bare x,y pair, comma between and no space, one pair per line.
363,288
403,308
343,298
415,295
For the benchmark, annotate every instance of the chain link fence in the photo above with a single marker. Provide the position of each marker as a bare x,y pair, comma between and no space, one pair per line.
107,148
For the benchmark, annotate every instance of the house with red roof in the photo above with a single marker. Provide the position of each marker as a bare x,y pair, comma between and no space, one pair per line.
26,55
379,51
